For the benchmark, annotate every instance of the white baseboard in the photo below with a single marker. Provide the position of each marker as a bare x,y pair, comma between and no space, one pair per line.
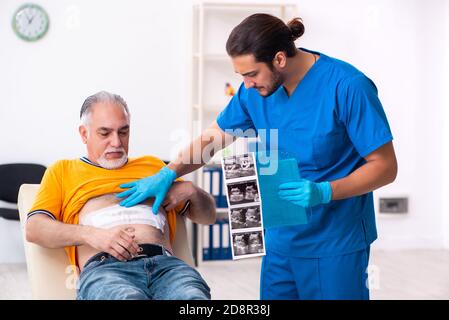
409,243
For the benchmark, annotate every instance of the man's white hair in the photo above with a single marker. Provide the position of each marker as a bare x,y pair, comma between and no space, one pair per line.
102,96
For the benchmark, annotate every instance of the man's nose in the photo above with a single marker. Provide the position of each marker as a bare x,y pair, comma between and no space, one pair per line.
115,140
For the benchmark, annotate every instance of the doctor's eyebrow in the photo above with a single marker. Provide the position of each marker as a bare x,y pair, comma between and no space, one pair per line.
250,73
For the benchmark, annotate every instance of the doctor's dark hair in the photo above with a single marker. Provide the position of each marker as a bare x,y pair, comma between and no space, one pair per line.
264,35
102,96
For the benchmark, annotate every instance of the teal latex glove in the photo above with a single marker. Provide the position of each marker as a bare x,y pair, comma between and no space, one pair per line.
153,186
306,193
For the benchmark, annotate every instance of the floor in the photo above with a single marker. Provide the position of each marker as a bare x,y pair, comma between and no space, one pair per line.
414,274
408,275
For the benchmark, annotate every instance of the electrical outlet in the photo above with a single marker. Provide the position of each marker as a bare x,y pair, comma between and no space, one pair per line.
393,205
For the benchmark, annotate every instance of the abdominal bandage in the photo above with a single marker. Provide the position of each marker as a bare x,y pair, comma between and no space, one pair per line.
117,215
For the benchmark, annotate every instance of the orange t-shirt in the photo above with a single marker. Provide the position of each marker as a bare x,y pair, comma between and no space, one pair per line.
68,184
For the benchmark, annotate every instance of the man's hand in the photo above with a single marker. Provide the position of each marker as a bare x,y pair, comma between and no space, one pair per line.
178,193
306,193
154,186
118,241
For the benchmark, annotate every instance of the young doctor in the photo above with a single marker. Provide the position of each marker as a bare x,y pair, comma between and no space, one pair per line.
328,115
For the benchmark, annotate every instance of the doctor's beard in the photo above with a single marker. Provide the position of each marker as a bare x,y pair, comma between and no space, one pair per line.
276,81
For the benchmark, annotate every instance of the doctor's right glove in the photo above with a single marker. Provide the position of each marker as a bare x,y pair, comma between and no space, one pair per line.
306,193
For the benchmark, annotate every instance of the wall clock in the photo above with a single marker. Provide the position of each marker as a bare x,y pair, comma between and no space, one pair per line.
30,22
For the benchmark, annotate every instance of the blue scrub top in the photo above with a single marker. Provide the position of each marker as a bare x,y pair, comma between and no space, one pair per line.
331,121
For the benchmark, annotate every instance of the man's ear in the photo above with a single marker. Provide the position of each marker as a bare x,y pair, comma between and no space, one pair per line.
280,60
83,133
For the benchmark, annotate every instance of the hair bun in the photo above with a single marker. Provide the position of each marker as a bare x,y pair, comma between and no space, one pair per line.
296,27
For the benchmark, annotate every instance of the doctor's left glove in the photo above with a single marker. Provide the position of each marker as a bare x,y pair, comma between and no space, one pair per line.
154,186
306,193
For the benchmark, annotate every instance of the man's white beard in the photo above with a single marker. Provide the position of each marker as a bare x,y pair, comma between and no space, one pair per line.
114,163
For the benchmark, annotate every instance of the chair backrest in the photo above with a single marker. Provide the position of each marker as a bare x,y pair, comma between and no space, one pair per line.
13,175
49,272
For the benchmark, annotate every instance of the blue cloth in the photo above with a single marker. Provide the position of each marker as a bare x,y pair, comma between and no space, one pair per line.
341,277
332,120
157,278
276,211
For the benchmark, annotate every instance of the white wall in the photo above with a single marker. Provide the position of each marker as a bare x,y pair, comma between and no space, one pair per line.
140,49
136,48
445,171
400,45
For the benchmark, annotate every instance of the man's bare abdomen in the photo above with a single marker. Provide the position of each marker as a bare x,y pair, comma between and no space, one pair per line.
143,233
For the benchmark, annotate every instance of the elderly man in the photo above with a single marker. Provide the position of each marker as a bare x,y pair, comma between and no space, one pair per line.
122,253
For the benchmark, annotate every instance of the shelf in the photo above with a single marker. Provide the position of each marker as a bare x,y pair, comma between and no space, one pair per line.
216,159
240,6
212,68
222,213
211,109
213,57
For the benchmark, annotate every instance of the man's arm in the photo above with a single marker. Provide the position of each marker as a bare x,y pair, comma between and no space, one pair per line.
202,204
53,234
49,233
202,208
380,169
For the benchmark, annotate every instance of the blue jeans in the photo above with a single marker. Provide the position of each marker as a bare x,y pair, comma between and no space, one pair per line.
157,278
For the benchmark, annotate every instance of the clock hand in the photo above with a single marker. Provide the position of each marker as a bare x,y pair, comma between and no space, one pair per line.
31,20
27,17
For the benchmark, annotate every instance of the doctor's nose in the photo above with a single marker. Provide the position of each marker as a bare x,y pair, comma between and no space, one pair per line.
248,83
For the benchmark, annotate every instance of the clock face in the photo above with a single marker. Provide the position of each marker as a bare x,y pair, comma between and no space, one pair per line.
30,22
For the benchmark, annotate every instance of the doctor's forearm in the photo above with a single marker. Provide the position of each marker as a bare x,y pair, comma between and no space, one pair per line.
201,150
367,178
192,157
187,161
